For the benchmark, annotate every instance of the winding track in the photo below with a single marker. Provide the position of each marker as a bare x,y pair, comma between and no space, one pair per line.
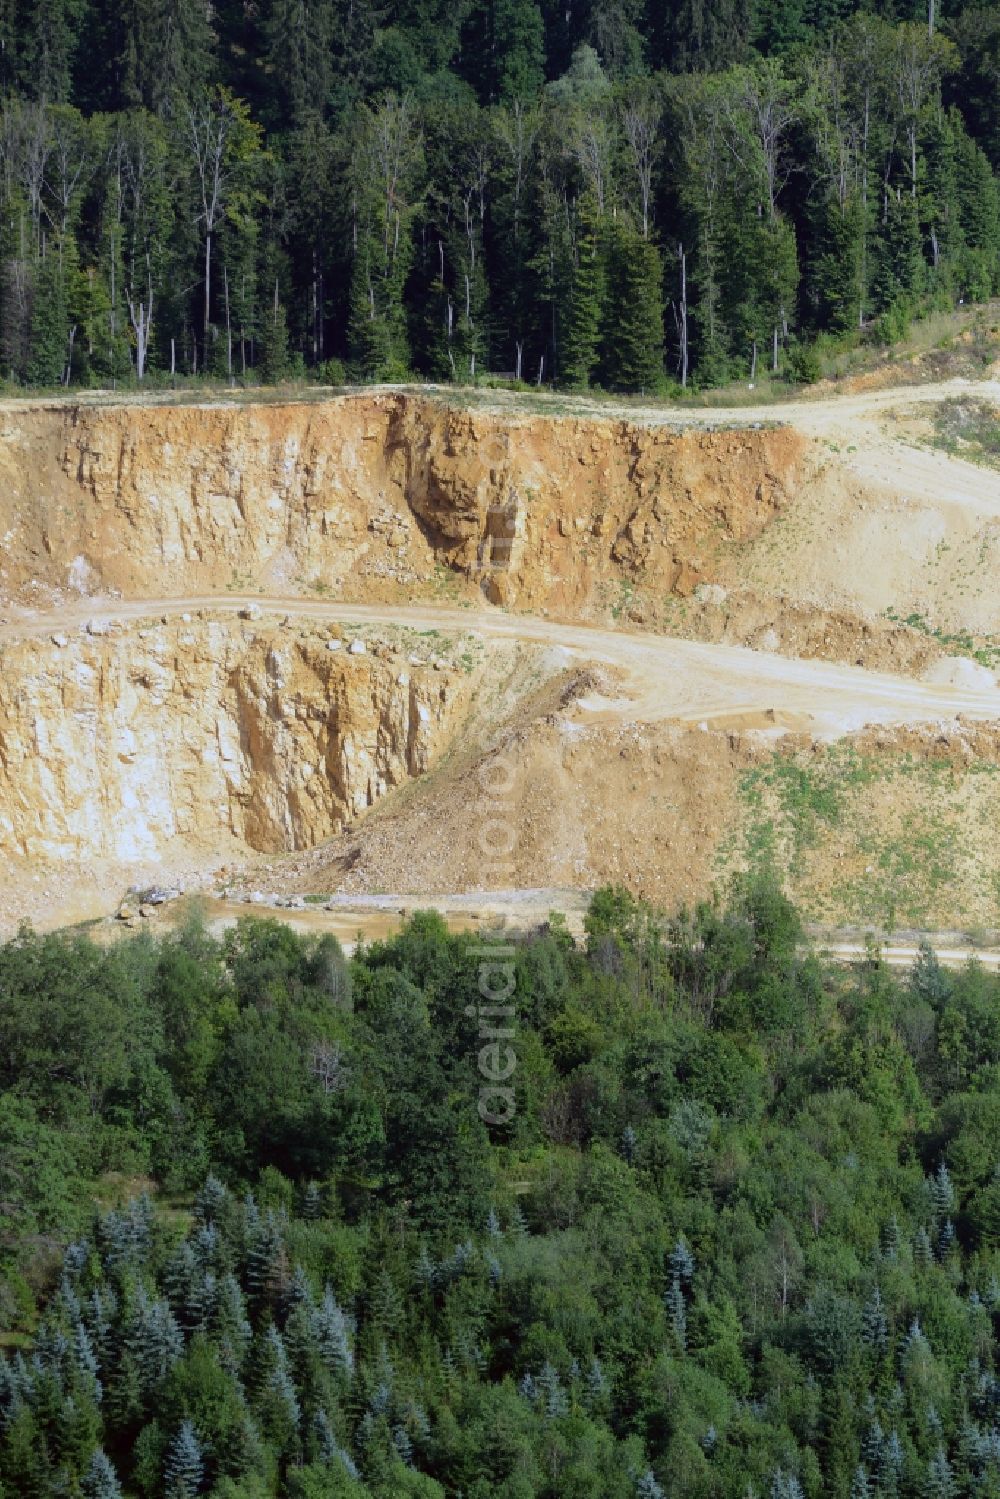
663,678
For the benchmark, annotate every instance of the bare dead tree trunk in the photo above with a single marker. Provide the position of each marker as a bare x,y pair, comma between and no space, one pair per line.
142,321
229,326
319,319
208,285
315,338
682,253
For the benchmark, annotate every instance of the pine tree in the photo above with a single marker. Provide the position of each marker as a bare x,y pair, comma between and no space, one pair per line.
979,212
155,1341
945,1239
596,1383
403,1445
425,1271
387,161
183,1281
85,1358
385,1305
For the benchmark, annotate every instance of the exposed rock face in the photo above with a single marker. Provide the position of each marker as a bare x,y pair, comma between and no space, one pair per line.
367,496
118,745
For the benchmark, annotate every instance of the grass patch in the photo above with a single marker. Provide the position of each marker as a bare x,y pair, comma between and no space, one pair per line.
968,429
797,801
872,839
985,650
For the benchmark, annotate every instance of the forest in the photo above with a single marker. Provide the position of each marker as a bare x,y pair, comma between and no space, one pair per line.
638,195
739,1239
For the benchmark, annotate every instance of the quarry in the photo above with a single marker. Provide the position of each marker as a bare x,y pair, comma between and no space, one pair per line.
268,645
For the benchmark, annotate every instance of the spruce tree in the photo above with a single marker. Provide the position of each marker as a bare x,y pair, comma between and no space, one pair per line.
513,48
941,1191
330,1328
184,1466
581,338
100,1480
632,337
554,1400
875,1324
273,365
262,1256
183,1282
211,1200
838,274
979,212
677,1311
897,260
230,1325
48,338
940,1481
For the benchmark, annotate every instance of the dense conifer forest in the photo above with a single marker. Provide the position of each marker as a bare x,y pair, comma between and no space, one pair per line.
627,193
741,1236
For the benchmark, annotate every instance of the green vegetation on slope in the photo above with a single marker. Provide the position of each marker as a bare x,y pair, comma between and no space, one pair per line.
969,429
741,1236
873,839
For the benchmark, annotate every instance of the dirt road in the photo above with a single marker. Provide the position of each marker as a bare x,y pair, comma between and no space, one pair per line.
662,678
